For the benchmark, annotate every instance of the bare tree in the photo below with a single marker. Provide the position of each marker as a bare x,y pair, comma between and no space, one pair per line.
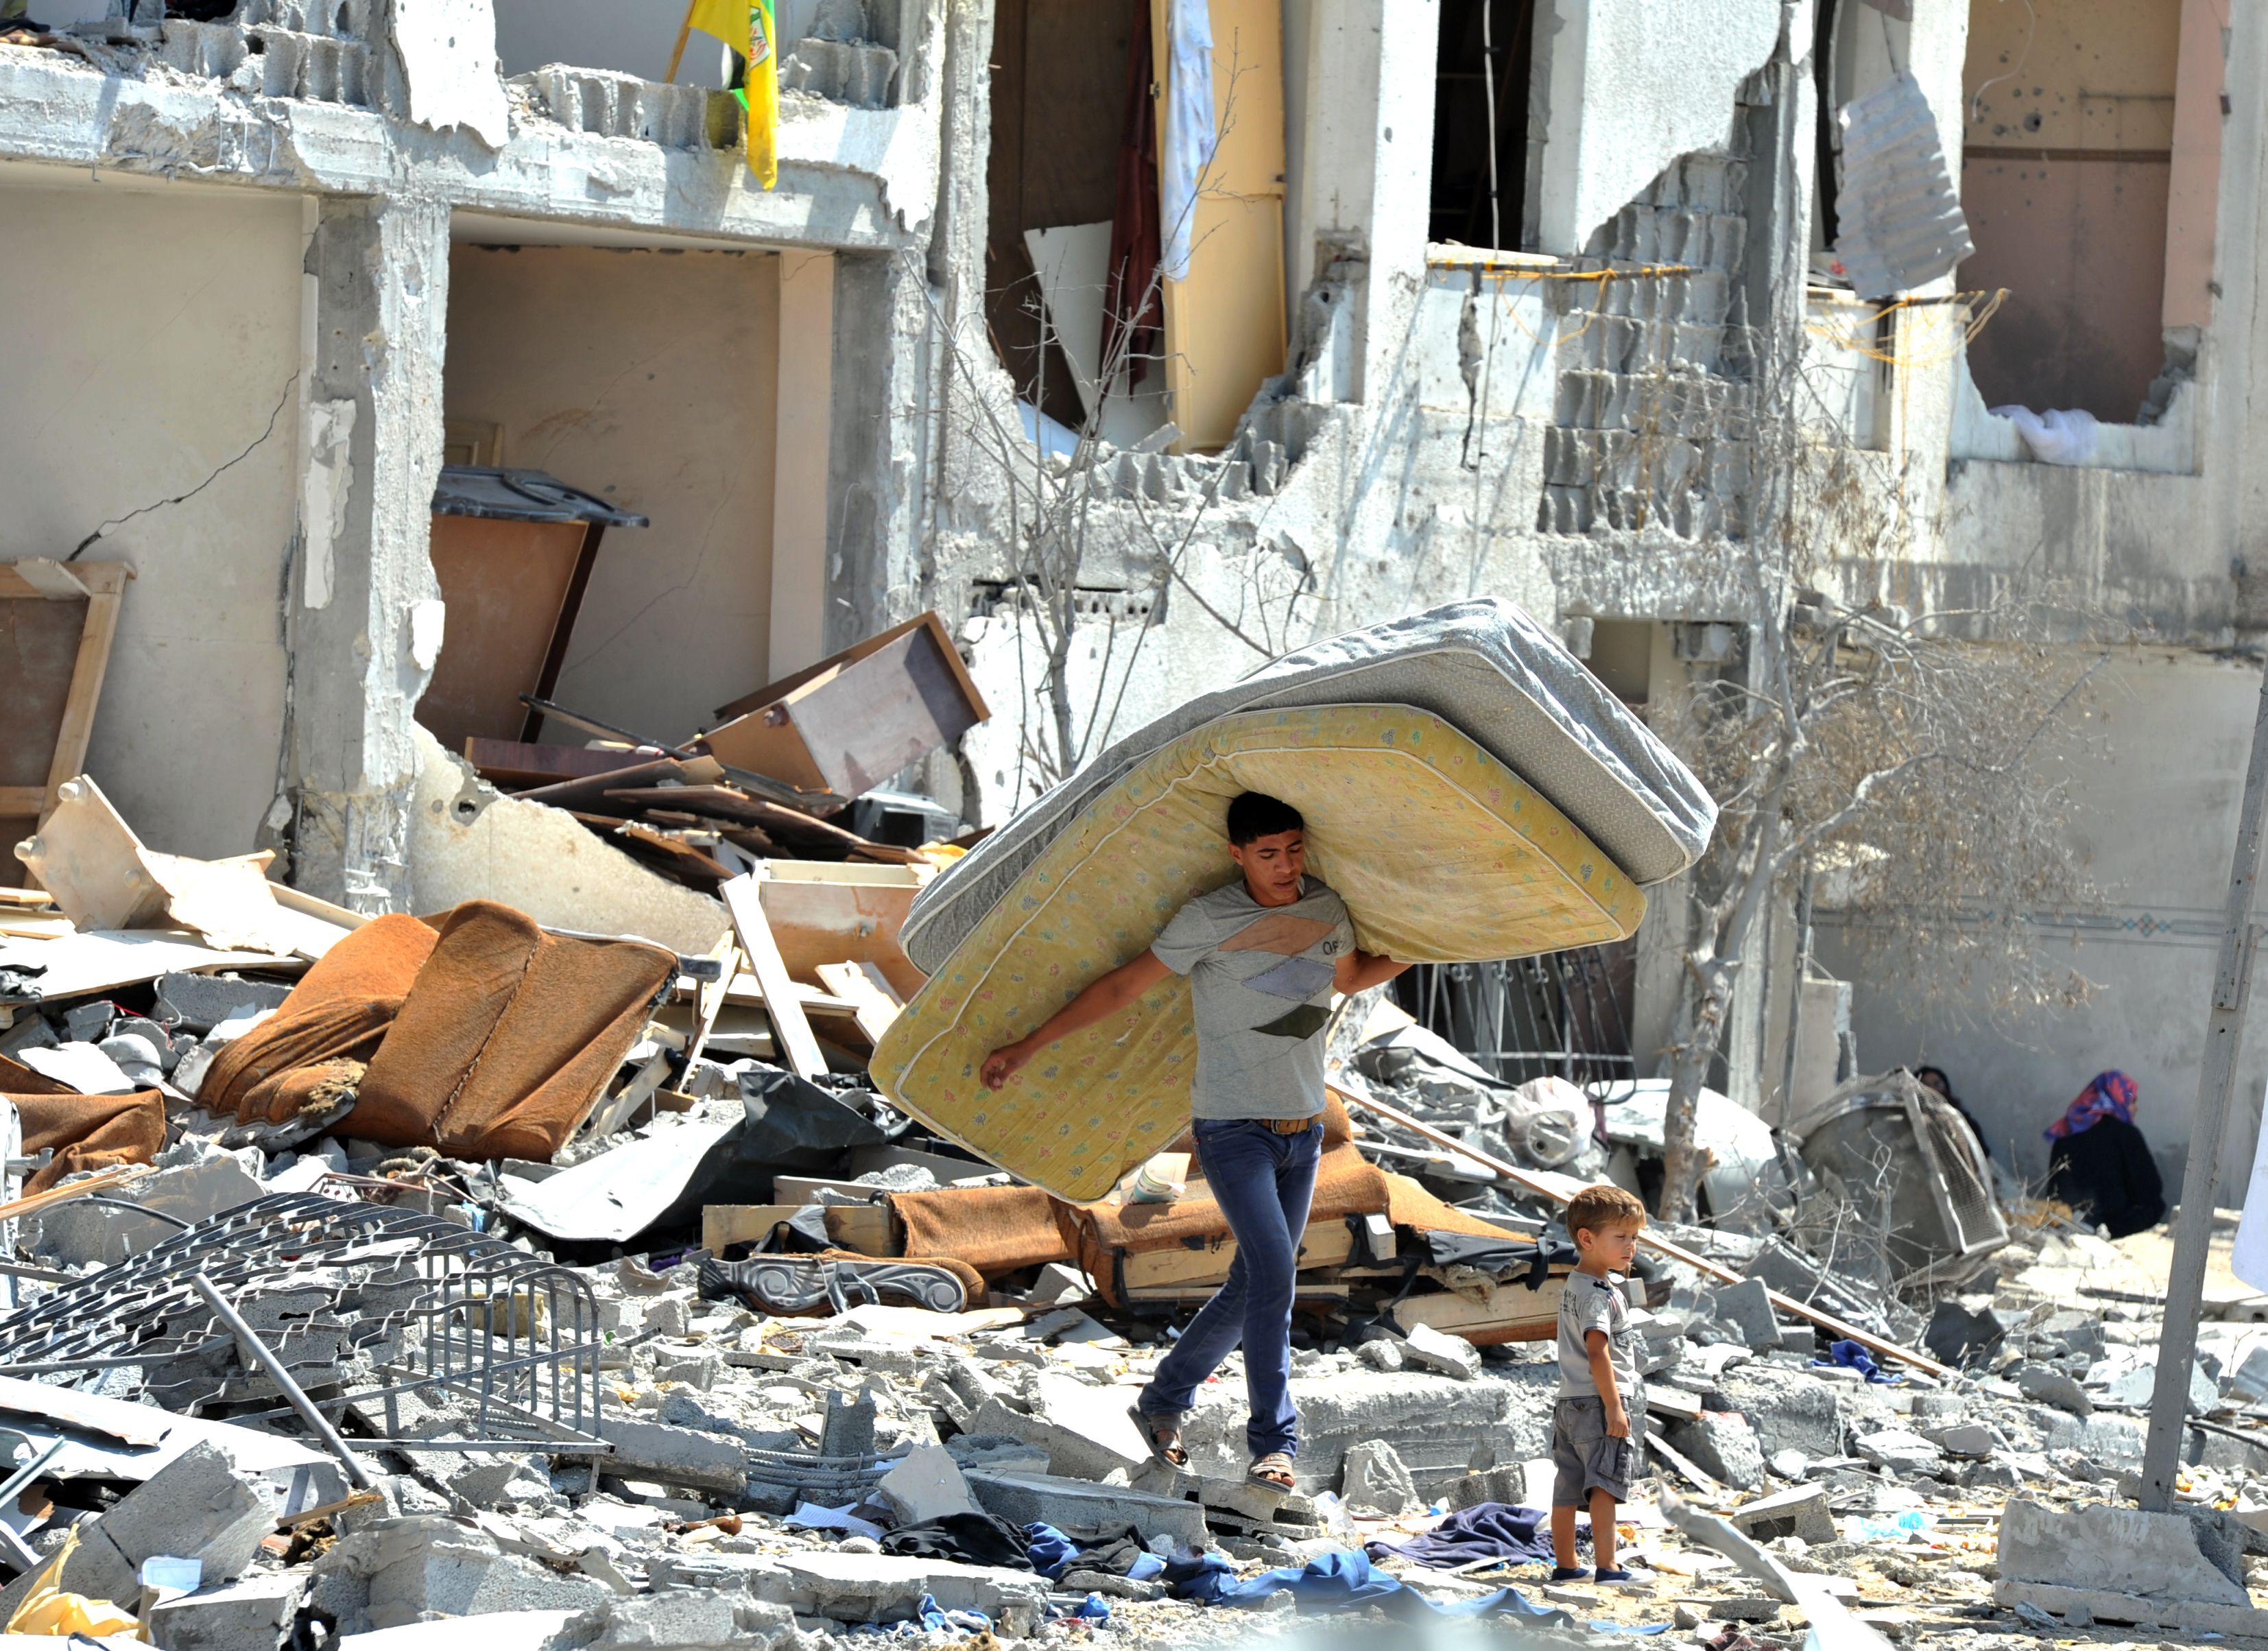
1908,750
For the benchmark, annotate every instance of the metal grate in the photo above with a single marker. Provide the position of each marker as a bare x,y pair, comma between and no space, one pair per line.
424,1314
1561,1015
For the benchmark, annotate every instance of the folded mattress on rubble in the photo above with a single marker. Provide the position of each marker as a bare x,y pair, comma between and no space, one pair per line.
1441,853
1483,666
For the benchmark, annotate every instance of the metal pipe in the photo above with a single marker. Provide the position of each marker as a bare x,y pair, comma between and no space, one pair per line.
258,1351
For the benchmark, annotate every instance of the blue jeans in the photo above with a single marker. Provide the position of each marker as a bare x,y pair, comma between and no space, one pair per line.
1263,1182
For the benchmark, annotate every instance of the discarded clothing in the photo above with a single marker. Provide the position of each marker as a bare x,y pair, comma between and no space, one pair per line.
85,1132
966,1538
1190,136
1049,1549
1486,1530
1345,1581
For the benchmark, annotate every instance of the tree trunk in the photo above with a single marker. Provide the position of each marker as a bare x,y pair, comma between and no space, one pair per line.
1710,986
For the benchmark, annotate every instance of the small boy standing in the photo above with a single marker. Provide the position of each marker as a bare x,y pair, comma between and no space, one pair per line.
1600,1413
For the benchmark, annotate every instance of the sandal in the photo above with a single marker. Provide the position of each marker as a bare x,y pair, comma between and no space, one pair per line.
1162,1434
1272,1473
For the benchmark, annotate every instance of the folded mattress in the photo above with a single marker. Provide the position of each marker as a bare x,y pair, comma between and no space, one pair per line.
1483,666
1441,853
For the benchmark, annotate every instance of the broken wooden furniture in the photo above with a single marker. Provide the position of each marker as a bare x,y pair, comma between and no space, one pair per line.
847,724
514,550
57,621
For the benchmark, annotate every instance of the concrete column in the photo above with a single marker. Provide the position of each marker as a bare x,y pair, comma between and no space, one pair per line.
1364,165
799,479
879,455
364,612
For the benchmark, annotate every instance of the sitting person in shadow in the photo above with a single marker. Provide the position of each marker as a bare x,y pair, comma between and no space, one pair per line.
1933,1077
2098,1162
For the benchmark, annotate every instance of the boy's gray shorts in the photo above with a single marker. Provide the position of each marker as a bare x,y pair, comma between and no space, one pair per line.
1584,1457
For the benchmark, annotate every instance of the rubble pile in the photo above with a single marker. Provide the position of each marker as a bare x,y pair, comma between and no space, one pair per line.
390,1281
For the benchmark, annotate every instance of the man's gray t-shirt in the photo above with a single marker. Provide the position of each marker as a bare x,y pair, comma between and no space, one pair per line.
1592,1303
1261,976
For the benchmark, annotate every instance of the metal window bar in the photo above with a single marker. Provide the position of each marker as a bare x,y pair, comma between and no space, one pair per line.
432,1306
1556,1015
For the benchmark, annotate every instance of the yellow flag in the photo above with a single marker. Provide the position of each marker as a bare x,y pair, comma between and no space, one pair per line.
748,27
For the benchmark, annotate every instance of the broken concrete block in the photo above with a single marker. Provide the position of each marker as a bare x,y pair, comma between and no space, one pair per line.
1956,1335
198,1507
677,1456
398,1570
2125,1551
1085,1430
756,1576
1507,1484
198,1003
2070,1331
498,1631
1432,1349
194,1180
884,1588
495,1481
2135,1387
1746,1308
680,1619
1790,1409
1722,1445
2045,1384
1374,1476
926,1485
1083,1510
1898,1449
1802,1512
1383,1353
250,1615
1970,1440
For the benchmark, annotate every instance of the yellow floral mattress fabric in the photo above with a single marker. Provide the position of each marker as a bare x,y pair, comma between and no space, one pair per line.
1441,853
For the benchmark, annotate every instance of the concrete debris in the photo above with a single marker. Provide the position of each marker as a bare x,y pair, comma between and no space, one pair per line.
575,1439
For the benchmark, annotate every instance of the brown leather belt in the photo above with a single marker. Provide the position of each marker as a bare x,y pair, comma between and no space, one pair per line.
1287,1126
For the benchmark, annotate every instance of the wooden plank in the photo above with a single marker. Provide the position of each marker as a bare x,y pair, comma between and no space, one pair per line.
875,1009
524,763
710,997
1326,1243
743,899
868,1229
1510,1312
22,799
106,586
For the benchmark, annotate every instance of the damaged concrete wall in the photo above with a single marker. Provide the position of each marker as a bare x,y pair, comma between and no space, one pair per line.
467,841
150,391
651,380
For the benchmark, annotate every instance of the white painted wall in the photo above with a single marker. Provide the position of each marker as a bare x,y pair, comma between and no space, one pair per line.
651,379
2156,823
1633,84
154,335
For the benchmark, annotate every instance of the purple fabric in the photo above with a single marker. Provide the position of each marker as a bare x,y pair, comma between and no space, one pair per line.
2112,1094
1486,1530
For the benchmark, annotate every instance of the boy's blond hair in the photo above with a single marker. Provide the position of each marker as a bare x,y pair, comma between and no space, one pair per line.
1594,1209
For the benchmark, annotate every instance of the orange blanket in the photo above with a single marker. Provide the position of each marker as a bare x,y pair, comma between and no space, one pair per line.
86,1131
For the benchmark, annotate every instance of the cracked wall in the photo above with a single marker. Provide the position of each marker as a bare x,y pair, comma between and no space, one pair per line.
153,357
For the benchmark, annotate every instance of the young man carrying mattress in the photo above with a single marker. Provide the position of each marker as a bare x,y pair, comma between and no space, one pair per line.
1263,956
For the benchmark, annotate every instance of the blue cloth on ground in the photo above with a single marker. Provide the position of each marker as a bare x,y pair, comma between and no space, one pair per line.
1486,1530
1852,1356
1051,1550
1345,1580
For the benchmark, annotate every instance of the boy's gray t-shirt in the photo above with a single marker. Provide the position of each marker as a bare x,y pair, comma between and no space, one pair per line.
1261,976
1590,1303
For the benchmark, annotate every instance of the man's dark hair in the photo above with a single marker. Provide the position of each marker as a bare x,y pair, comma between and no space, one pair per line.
1256,814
